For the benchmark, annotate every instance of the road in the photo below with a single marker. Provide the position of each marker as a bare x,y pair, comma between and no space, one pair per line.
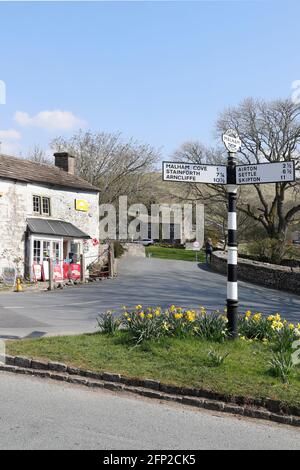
63,416
140,280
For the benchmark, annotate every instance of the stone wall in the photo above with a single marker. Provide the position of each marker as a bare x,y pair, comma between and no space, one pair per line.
263,274
13,206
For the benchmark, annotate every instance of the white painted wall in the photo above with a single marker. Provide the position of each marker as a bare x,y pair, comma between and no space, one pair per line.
16,206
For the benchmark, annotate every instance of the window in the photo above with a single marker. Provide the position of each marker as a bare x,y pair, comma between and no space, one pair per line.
41,205
75,252
46,250
36,251
56,252
43,249
46,205
37,204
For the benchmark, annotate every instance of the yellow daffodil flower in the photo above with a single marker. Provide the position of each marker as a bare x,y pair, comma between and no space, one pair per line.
257,317
178,316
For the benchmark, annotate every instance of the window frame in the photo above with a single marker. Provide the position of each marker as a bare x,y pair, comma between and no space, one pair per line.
36,201
43,199
39,203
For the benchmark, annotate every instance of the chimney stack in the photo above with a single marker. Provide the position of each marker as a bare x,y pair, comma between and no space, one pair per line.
65,161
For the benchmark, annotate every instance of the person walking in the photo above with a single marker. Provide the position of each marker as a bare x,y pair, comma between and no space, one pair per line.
208,250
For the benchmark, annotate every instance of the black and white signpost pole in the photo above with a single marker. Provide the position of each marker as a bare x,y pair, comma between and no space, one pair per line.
232,143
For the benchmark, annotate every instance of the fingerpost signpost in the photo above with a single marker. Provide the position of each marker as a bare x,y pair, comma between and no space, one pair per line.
231,175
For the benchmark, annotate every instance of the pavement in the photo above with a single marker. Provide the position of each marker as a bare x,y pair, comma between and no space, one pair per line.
64,416
144,281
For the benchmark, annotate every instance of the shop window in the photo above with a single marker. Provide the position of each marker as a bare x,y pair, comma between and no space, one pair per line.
41,205
74,254
46,250
37,251
43,249
56,252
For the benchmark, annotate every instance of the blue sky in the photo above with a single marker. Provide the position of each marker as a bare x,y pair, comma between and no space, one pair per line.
158,71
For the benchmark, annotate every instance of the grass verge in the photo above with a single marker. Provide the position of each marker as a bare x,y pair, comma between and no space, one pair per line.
175,253
183,362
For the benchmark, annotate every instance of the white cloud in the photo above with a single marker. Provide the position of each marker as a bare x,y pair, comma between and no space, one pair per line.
10,134
49,120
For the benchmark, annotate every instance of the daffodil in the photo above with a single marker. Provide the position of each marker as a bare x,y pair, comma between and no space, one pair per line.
178,316
257,317
248,314
277,325
202,311
191,315
224,318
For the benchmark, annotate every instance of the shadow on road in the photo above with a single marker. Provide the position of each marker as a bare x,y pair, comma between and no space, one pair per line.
205,267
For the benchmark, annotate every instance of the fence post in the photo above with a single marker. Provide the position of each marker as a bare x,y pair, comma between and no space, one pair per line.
51,283
82,268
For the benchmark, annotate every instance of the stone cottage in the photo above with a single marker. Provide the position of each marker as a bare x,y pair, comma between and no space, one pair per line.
45,211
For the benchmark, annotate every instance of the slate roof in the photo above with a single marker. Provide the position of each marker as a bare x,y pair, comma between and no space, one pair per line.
17,169
55,227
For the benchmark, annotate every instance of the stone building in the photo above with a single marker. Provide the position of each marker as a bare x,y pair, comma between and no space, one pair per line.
45,211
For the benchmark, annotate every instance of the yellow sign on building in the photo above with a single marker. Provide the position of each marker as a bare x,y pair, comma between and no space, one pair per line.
81,205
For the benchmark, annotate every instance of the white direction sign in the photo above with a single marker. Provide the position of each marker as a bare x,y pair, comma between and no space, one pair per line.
265,173
194,173
232,141
196,246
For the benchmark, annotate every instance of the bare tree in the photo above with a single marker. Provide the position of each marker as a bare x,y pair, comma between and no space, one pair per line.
270,132
212,196
37,154
116,166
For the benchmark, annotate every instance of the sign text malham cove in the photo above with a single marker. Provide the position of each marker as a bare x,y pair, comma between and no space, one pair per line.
194,173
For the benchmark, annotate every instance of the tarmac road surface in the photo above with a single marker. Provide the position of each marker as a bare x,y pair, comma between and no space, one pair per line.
140,281
40,414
